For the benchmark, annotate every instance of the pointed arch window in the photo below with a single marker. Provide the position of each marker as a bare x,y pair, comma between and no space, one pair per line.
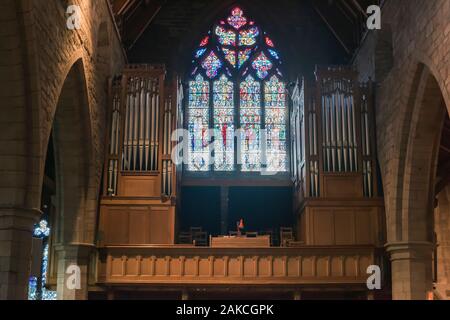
236,91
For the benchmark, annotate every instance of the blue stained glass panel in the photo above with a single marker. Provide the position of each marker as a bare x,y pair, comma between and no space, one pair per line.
274,54
200,52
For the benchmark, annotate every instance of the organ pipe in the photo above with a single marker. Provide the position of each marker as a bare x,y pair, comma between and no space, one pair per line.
114,134
338,121
135,124
339,130
140,145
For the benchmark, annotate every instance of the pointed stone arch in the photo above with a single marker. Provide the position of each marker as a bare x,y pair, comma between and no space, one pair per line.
411,211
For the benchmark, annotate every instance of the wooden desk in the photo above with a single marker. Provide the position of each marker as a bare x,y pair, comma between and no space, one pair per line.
240,242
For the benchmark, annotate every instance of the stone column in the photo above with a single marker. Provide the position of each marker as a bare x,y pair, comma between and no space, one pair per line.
73,271
16,227
411,264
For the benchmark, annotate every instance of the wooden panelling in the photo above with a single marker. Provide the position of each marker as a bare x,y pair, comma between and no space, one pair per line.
190,265
342,186
323,226
364,227
336,225
137,225
342,225
138,217
139,186
117,230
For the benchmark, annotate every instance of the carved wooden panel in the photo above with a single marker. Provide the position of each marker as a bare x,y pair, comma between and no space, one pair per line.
190,265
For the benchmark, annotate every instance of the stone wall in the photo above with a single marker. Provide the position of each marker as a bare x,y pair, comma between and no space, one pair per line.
37,53
442,227
411,64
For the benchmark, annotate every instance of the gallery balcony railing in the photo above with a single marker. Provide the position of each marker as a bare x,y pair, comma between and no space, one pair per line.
188,265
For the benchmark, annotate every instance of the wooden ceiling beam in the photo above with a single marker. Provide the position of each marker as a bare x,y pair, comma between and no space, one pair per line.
140,18
121,6
361,10
349,8
330,27
344,13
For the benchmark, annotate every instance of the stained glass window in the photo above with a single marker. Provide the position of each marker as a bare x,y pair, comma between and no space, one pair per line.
223,124
230,55
36,290
244,55
200,52
236,79
248,37
276,119
198,125
237,20
274,54
211,64
250,118
204,41
226,37
269,42
262,65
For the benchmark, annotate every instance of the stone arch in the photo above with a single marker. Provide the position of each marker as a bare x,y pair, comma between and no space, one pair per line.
393,174
412,208
76,180
441,75
421,159
73,145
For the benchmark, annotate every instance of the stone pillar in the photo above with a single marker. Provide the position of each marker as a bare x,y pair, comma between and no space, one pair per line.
16,227
411,264
73,271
